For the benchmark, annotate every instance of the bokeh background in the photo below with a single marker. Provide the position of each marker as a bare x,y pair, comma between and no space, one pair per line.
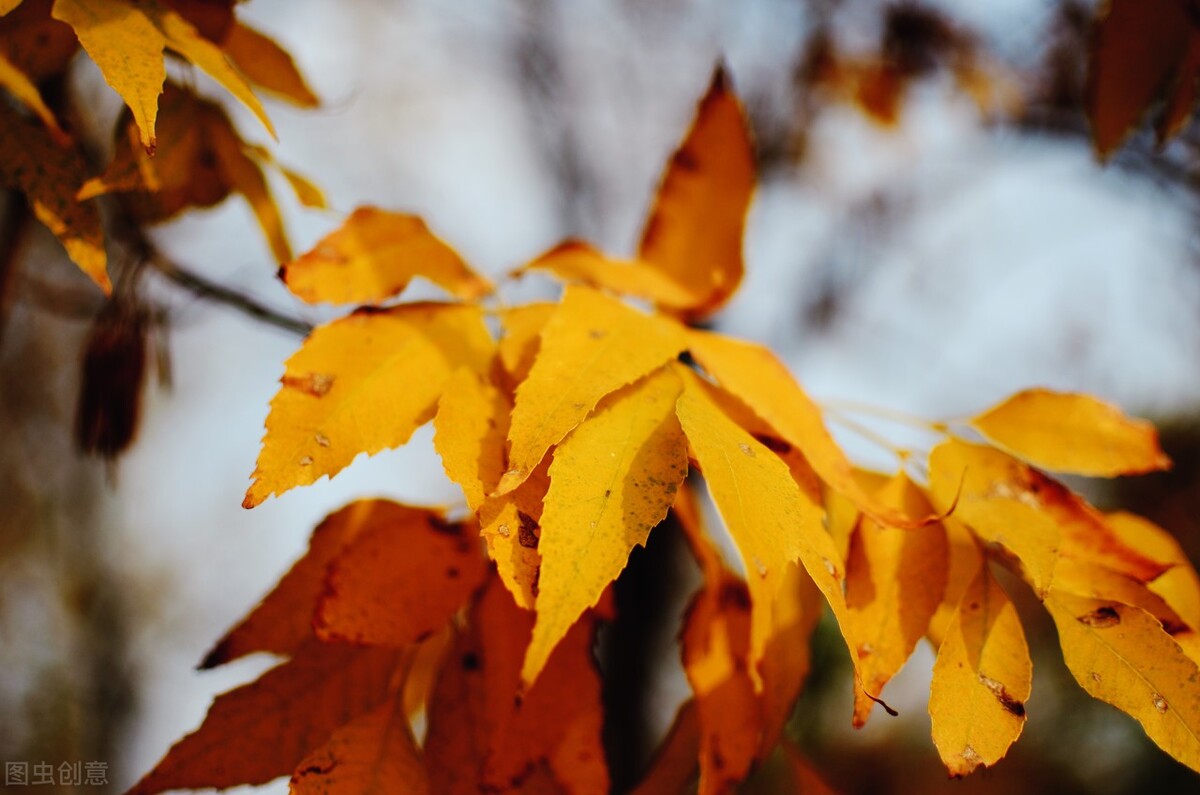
931,233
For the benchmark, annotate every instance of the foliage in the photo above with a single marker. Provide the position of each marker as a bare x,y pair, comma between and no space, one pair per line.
574,428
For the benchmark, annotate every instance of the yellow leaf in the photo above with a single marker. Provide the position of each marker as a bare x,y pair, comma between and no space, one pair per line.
981,679
993,501
593,345
895,579
576,261
1074,433
126,40
373,256
360,385
23,89
613,479
694,232
755,376
787,656
267,65
1178,585
375,753
963,563
1082,578
518,347
470,430
307,192
770,520
510,525
1121,655
243,175
50,176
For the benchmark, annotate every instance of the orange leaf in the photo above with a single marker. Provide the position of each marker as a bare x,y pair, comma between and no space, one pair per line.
267,65
613,479
694,232
482,736
263,730
373,256
593,345
510,526
576,261
363,384
1121,655
374,754
895,579
758,379
1075,433
470,431
981,680
282,622
399,580
674,765
1178,585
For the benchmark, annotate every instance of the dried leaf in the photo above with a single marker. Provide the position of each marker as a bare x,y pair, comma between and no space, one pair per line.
613,479
1076,433
399,581
363,384
126,39
50,176
895,579
693,235
263,730
981,679
593,345
1121,655
282,621
373,256
267,65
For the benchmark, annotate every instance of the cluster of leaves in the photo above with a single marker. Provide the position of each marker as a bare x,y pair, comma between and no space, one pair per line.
572,428
572,432
203,159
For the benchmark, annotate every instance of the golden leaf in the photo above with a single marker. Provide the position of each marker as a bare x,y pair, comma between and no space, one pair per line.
267,65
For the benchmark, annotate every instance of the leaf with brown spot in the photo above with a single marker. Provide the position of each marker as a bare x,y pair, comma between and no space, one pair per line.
126,39
613,479
693,235
1178,585
50,176
483,737
262,730
895,579
981,679
267,65
399,580
509,525
1098,582
592,346
1067,432
1121,655
282,621
373,256
385,371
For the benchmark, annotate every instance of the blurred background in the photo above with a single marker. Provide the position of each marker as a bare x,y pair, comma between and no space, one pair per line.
932,232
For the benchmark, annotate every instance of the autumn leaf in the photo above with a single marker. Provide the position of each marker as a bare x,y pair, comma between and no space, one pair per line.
895,579
1135,58
576,261
263,730
375,753
511,525
770,520
363,383
126,39
399,580
482,738
282,621
470,431
521,339
1073,433
693,234
591,346
964,559
1121,655
1179,585
758,379
267,65
50,175
8,5
612,480
34,42
981,679
24,91
675,760
373,256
